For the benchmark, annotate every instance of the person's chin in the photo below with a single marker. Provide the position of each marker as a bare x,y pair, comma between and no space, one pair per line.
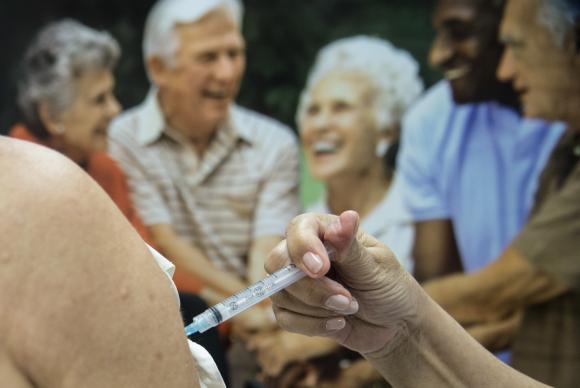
219,111
99,143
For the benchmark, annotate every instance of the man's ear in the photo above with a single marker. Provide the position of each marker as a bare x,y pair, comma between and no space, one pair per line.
52,125
157,69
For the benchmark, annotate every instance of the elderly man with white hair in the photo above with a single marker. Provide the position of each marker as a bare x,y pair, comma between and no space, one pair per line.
215,183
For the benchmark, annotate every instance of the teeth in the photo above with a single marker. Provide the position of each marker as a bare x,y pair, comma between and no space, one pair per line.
456,73
325,146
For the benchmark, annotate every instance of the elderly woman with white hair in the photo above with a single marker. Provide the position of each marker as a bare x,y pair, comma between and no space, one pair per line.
349,116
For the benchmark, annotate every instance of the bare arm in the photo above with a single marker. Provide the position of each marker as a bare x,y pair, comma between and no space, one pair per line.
192,259
385,314
435,251
502,287
497,335
259,250
88,304
10,375
440,353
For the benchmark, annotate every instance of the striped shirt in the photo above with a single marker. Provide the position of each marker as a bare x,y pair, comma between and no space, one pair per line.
245,186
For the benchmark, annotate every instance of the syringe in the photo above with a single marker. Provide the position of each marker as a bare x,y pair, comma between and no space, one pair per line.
246,298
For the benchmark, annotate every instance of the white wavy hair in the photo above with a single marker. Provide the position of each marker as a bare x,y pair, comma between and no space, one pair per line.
392,73
61,52
559,16
160,38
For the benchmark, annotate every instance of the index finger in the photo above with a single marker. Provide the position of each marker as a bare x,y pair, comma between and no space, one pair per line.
304,236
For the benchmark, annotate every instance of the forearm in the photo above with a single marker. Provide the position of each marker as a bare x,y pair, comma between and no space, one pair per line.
502,287
496,336
435,251
259,250
440,353
193,261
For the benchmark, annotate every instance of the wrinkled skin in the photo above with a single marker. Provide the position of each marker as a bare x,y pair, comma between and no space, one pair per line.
380,300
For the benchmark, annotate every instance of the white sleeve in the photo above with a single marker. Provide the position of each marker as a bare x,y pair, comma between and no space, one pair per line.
209,375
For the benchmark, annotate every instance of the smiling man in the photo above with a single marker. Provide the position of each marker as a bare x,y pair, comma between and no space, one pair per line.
469,162
215,183
540,269
468,159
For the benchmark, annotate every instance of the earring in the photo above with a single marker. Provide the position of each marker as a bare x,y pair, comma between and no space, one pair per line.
59,129
382,147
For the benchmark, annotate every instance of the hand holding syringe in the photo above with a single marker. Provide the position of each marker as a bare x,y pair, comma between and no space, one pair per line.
247,298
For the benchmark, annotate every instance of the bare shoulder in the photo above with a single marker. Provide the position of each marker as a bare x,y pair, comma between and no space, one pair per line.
87,304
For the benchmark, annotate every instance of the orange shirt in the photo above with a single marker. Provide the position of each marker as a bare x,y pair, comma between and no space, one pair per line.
105,171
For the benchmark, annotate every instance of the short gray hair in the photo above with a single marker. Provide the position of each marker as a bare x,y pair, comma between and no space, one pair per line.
392,72
559,16
160,38
60,53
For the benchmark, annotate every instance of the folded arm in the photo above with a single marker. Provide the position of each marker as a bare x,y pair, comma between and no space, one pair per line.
508,284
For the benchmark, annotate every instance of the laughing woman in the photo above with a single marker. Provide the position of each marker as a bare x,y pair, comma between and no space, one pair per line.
349,116
66,98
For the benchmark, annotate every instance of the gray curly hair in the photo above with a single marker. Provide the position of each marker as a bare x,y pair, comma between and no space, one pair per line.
61,52
392,72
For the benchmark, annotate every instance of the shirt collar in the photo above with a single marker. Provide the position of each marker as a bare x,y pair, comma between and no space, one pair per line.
390,211
153,126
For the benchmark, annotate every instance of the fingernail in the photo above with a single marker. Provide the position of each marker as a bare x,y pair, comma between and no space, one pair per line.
312,262
341,303
338,302
335,324
353,308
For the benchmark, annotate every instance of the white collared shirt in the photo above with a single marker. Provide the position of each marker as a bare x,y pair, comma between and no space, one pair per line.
245,186
389,222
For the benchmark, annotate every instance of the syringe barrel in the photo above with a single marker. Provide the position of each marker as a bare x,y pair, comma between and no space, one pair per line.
259,291
247,298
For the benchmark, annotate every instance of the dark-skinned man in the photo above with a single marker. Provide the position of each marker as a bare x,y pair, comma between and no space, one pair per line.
469,161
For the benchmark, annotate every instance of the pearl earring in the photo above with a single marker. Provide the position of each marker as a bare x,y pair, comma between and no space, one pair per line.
382,147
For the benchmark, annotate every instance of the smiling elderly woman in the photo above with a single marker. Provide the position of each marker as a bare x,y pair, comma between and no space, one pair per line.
348,116
67,102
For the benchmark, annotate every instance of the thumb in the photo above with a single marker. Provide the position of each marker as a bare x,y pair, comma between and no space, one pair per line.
341,233
354,259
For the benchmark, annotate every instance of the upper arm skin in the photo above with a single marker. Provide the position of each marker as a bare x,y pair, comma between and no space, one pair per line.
10,376
435,250
88,306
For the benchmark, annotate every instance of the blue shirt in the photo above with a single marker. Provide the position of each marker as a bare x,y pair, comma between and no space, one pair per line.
475,164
